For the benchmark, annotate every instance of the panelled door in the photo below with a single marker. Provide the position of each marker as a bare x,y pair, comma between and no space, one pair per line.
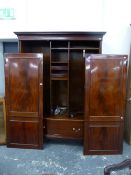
24,100
105,88
128,105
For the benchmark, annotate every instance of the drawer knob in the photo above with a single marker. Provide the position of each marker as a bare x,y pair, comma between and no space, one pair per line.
76,130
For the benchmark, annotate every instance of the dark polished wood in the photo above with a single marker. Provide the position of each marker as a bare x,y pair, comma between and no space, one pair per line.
105,87
103,138
118,166
76,81
127,131
84,96
60,35
64,128
24,78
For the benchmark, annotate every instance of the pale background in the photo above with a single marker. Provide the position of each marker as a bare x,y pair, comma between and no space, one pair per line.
111,16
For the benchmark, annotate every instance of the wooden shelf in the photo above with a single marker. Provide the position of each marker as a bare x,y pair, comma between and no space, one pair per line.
59,48
59,78
59,74
65,117
77,48
82,48
59,62
59,68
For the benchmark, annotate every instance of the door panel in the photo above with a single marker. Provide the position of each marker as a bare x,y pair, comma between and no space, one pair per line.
24,84
105,93
24,133
128,106
24,99
103,138
105,89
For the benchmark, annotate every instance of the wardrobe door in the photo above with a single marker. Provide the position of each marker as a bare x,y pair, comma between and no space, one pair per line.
105,87
24,100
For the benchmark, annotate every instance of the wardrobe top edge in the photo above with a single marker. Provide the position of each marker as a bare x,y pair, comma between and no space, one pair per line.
61,33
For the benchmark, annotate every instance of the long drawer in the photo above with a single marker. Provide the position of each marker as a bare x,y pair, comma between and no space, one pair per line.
64,129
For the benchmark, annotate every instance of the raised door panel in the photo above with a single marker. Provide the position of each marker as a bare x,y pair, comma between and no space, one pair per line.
24,99
23,133
105,86
103,138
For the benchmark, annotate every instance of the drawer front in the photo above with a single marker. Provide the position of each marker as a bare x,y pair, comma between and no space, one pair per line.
64,129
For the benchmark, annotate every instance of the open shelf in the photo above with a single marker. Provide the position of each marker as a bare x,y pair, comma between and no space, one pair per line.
65,117
59,78
59,67
84,48
67,65
60,62
59,56
59,75
60,48
84,44
59,44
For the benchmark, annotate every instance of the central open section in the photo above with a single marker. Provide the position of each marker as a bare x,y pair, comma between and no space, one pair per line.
64,80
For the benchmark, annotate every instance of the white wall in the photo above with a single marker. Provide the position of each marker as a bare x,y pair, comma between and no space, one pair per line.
7,27
117,20
67,15
48,15
112,16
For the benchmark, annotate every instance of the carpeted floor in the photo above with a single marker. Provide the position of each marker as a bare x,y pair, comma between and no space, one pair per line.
57,158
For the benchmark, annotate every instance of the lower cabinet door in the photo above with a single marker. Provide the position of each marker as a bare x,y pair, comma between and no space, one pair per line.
25,134
103,138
